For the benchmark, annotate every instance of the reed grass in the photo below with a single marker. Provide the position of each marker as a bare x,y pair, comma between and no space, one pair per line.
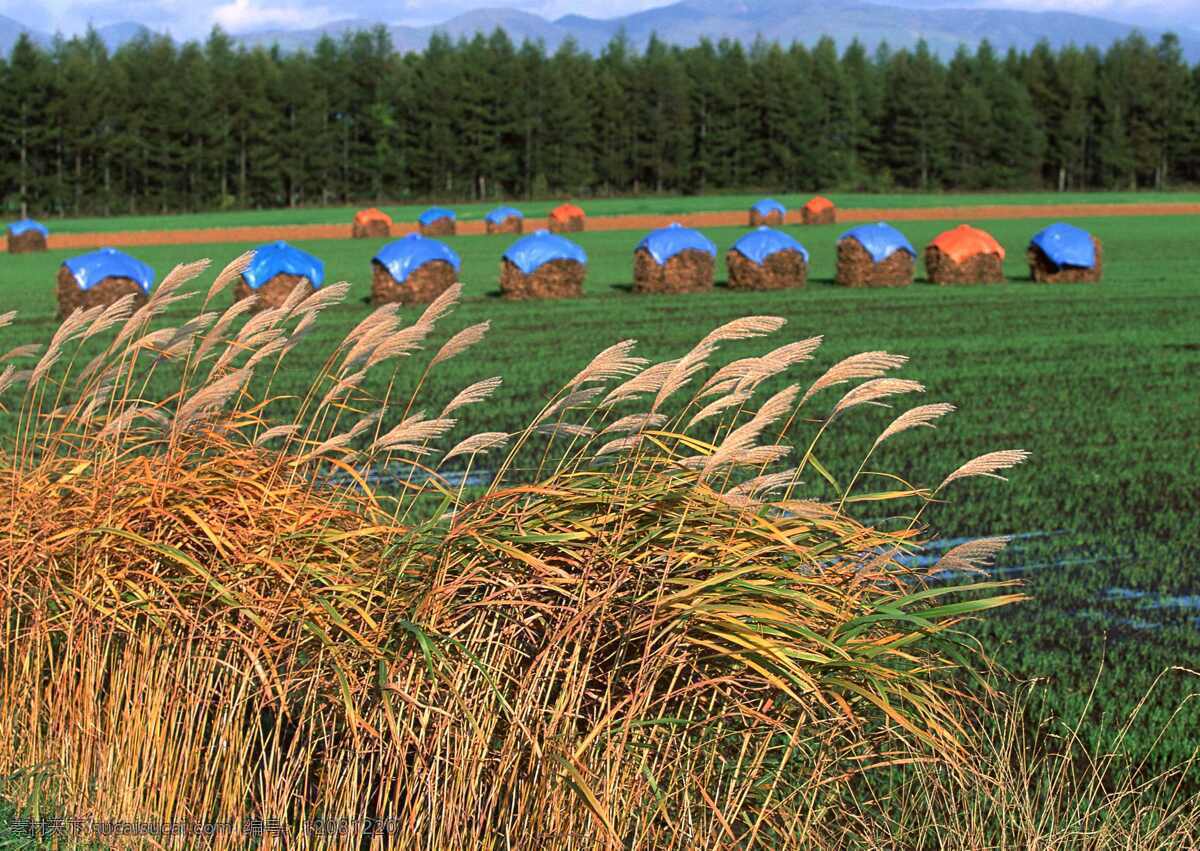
667,640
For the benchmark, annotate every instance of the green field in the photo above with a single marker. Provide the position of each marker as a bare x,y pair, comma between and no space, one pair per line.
644,205
1099,382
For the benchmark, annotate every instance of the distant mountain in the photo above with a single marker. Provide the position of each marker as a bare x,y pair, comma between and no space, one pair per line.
115,35
686,22
11,30
805,21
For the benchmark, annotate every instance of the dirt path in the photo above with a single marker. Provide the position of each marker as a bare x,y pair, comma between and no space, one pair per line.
260,234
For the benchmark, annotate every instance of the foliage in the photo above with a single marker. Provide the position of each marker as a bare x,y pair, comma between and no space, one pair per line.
157,127
645,630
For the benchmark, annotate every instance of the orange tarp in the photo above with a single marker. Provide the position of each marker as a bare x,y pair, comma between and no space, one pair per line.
964,242
566,211
818,204
372,214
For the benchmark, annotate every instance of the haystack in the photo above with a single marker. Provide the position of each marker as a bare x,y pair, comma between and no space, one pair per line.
964,255
875,256
372,224
566,218
101,278
818,211
413,270
768,211
276,269
438,221
1063,254
274,292
674,259
543,265
26,236
505,220
766,259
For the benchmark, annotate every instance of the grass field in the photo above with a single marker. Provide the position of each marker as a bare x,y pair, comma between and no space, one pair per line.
1099,382
646,205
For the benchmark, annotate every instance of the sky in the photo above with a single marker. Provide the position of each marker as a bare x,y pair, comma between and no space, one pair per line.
194,18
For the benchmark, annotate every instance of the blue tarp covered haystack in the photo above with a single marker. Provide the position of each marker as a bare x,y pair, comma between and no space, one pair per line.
279,258
760,244
101,278
881,240
875,255
413,270
1063,253
541,247
438,221
768,211
405,256
26,236
88,270
1066,245
767,259
27,226
543,265
665,243
434,213
499,214
674,259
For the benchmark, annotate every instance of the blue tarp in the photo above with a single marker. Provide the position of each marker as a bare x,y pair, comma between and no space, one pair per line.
665,243
530,252
91,269
434,213
881,240
769,205
277,258
760,244
411,253
499,214
25,225
1067,245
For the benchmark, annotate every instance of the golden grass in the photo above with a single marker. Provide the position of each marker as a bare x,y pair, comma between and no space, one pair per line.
669,647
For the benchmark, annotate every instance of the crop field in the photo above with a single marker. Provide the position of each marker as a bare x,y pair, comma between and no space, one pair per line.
666,205
1098,382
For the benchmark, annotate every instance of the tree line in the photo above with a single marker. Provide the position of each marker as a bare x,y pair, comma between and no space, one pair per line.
160,127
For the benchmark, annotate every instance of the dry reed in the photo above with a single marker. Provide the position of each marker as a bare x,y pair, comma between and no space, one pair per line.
650,651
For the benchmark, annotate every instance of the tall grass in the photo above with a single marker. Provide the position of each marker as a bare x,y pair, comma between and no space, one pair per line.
665,624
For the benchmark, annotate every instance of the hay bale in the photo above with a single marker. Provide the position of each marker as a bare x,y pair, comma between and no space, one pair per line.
827,216
978,269
444,226
371,223
274,292
688,271
423,284
371,229
779,271
1045,271
818,211
553,279
773,218
26,243
856,268
571,224
511,224
104,292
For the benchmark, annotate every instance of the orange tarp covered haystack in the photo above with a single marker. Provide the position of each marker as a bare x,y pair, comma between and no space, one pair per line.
818,211
566,218
372,223
965,255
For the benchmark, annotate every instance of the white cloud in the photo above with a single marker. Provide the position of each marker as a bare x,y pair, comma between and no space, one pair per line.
246,15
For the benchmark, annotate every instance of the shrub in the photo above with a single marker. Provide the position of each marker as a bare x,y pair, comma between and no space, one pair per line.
646,629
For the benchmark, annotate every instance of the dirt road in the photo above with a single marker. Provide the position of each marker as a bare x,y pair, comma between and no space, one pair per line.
261,234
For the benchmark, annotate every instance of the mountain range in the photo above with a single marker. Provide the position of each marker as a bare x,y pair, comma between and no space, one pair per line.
686,22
